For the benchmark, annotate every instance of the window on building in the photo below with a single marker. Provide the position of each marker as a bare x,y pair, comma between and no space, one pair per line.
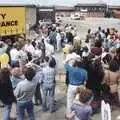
92,8
100,9
95,9
78,8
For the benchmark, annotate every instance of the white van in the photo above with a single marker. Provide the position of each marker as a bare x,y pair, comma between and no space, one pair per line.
75,17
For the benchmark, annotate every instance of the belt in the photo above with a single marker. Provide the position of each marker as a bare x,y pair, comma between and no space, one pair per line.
77,84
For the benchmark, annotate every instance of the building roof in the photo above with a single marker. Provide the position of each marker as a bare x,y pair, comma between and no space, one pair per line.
101,2
114,6
45,7
90,4
64,8
17,5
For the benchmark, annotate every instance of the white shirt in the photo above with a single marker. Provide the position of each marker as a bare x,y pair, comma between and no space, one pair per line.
49,49
71,58
37,53
58,37
29,48
73,32
88,46
76,39
22,57
85,54
14,54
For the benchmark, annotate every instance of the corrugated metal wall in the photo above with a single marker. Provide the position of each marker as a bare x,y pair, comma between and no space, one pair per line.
95,14
30,18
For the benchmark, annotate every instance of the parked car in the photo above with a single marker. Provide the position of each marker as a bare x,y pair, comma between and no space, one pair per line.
75,17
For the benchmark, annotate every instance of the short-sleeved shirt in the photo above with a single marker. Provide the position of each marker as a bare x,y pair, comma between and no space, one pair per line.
4,59
82,112
48,77
77,76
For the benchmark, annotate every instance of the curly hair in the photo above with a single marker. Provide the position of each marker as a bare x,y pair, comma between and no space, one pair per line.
29,73
84,94
4,75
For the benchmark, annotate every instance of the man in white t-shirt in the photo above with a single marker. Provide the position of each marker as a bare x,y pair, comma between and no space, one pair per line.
23,58
14,55
49,48
29,47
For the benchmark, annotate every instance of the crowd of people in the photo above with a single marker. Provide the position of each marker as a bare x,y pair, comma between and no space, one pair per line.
94,65
29,67
26,69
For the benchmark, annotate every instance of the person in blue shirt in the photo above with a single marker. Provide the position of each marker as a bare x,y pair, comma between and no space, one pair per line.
77,78
77,75
48,86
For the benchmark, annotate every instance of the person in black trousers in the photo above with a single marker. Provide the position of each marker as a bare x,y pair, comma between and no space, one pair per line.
6,92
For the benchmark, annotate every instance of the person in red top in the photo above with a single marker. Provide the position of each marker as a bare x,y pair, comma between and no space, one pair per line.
97,50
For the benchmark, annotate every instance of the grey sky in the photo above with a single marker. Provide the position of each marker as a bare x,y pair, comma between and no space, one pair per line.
57,2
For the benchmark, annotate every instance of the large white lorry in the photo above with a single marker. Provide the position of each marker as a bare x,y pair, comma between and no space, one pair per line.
75,16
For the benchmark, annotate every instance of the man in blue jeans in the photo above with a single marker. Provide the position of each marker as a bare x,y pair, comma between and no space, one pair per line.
24,93
48,86
77,78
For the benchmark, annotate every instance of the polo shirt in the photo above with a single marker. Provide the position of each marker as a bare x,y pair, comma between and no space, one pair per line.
77,76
